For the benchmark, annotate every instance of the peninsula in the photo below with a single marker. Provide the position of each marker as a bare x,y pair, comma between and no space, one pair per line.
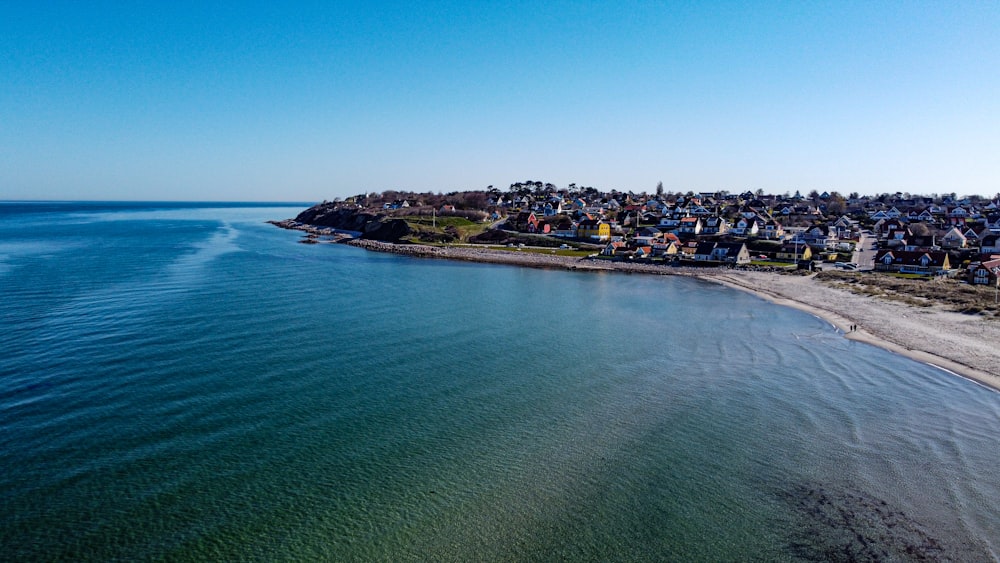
914,275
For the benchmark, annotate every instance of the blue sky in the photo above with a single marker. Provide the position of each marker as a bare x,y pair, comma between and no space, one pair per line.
311,101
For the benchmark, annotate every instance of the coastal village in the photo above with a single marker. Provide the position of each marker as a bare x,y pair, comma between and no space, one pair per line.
900,234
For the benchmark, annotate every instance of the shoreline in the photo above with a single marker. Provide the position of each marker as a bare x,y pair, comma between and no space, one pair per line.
842,323
900,329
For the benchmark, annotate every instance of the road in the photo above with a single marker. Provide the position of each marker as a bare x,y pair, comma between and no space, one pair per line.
864,252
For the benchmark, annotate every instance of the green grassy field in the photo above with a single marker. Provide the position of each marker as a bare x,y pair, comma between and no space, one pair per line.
460,226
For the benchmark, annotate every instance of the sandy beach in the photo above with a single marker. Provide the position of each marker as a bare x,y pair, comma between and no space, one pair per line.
964,345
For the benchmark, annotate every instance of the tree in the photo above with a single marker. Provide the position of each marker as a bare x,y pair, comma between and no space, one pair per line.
836,205
920,229
659,189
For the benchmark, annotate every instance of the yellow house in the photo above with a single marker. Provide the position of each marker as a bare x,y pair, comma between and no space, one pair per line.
791,253
593,229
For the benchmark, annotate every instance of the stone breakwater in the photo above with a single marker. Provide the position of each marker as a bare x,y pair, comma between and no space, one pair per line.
512,257
335,235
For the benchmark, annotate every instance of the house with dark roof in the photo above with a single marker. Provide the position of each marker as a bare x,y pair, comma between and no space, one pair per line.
727,252
912,262
791,252
989,244
772,230
746,227
715,226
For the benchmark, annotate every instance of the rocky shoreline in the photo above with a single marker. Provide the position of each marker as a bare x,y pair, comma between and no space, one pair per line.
527,258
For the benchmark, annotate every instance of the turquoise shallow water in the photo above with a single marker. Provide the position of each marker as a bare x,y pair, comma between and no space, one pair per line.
187,382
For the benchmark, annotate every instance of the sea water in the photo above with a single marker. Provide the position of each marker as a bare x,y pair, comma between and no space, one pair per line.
184,381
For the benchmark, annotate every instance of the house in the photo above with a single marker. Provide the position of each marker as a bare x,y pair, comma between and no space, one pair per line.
984,273
993,223
746,227
703,251
550,209
593,229
647,235
690,226
728,252
989,244
715,226
698,210
666,247
790,252
689,248
954,239
525,221
844,227
772,230
901,261
670,223
920,242
613,247
732,252
892,229
958,216
565,228
821,236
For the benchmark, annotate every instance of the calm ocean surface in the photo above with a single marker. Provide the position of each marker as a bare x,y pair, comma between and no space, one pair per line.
186,382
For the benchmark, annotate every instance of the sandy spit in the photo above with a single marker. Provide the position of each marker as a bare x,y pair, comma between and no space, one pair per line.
965,345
